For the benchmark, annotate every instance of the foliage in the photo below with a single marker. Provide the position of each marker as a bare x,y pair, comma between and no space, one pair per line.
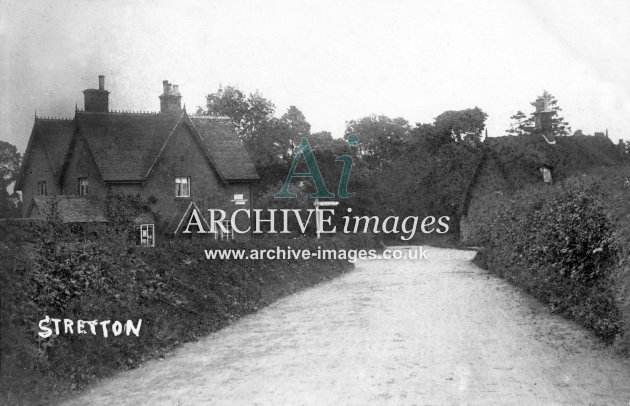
247,112
559,244
558,125
380,137
464,125
615,194
10,160
270,141
428,163
89,272
121,209
9,163
523,125
520,124
415,171
296,122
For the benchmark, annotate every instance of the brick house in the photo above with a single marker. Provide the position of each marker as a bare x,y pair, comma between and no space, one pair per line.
174,161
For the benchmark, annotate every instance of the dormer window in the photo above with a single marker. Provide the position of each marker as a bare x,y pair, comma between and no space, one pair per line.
182,186
41,188
546,173
83,186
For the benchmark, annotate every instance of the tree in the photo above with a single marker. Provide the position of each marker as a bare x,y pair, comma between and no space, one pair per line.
558,125
10,160
248,113
296,122
428,137
380,137
464,125
271,144
322,139
520,124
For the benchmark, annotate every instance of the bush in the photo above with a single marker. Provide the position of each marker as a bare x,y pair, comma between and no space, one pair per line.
559,244
90,273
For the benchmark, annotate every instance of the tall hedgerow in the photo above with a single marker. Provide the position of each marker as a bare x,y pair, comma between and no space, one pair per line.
559,244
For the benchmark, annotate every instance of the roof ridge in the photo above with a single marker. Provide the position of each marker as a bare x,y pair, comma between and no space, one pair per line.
51,118
128,112
210,117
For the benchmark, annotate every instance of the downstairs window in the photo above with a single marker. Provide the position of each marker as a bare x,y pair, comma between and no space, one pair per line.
145,235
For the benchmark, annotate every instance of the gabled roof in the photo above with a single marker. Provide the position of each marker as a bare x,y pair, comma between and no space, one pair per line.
72,209
144,218
520,158
124,145
53,136
226,150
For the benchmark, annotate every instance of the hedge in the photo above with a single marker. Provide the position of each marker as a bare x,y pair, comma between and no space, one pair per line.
91,273
559,244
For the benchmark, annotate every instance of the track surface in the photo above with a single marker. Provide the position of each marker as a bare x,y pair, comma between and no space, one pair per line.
439,331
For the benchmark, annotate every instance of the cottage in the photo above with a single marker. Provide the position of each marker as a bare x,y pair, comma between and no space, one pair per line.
173,160
507,164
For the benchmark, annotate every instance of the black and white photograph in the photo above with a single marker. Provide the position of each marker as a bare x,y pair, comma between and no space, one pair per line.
285,202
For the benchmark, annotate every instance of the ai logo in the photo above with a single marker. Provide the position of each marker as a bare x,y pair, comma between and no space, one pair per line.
304,150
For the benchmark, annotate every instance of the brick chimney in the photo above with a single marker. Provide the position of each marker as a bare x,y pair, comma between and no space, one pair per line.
97,100
543,114
170,99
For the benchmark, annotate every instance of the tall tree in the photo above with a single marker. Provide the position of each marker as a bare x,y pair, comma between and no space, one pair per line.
558,124
296,121
380,138
524,125
248,113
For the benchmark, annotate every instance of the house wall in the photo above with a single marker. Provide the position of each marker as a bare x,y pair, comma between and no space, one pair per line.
484,202
183,156
81,164
38,169
126,188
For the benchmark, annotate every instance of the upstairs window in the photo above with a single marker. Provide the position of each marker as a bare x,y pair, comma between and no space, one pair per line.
41,188
83,186
182,186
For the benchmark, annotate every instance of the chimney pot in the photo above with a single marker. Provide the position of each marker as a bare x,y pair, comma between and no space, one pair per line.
170,100
97,100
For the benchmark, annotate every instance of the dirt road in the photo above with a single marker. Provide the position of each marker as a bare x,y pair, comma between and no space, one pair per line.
439,331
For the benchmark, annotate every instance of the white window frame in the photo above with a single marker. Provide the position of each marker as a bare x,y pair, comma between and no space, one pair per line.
182,186
41,188
83,186
147,235
546,173
222,235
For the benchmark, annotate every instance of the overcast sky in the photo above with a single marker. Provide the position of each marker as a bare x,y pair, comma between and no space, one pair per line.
334,60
